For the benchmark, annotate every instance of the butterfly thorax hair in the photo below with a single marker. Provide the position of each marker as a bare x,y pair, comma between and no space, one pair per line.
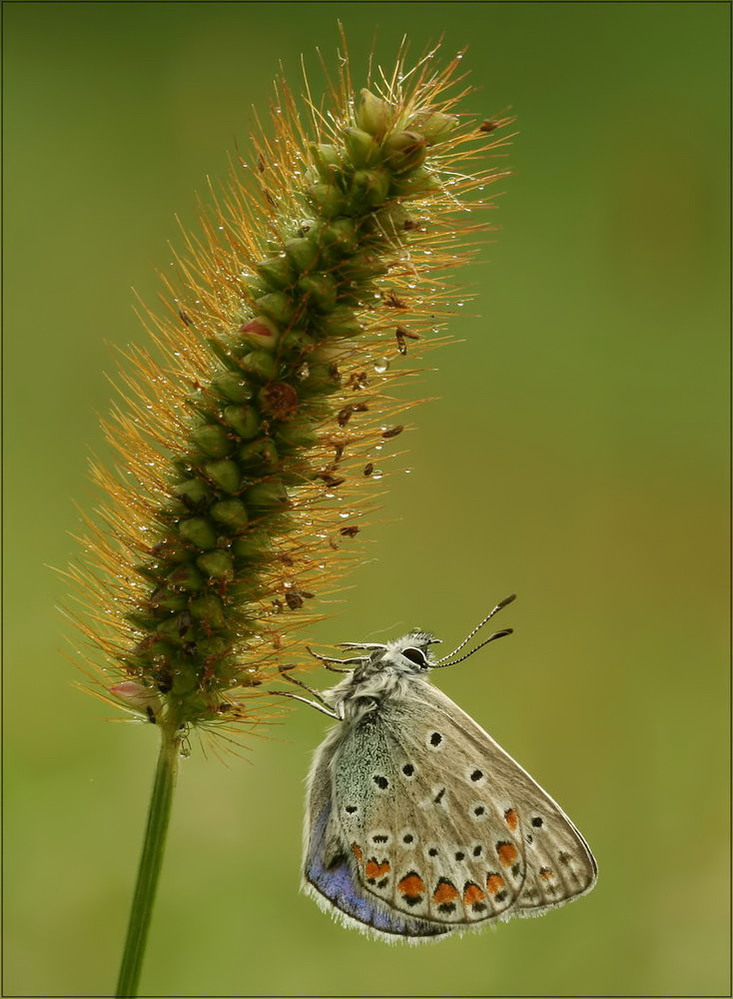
389,672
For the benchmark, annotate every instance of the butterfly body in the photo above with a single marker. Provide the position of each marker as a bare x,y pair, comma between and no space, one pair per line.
418,824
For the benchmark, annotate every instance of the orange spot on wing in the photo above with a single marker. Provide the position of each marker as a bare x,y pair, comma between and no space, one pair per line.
545,873
494,883
412,884
356,850
507,853
445,892
375,870
472,894
511,818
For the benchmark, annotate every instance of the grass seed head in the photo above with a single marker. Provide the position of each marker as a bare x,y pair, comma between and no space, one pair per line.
245,433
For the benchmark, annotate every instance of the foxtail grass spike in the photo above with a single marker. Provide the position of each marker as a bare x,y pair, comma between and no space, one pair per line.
323,268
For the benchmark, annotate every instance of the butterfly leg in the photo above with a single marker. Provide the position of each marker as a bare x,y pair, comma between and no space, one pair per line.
361,645
286,675
341,662
304,700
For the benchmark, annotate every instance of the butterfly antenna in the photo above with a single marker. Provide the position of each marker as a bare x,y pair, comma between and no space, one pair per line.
479,626
491,638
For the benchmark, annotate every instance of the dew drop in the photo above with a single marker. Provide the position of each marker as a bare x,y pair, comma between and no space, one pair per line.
381,365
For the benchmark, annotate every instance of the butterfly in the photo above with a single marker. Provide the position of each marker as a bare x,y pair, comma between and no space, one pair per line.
418,825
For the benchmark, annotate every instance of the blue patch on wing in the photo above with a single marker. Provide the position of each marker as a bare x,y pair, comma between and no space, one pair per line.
338,884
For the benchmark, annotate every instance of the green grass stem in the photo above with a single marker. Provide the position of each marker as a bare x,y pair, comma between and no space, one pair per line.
151,861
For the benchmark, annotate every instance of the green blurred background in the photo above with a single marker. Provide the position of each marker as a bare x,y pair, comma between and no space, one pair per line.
576,455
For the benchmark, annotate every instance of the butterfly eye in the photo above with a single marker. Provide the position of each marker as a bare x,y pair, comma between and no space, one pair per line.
415,656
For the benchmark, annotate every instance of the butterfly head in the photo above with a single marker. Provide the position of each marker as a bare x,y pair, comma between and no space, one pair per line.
411,653
379,667
404,657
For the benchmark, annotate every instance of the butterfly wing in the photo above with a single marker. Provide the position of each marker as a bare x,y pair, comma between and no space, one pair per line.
553,863
421,825
332,864
428,840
